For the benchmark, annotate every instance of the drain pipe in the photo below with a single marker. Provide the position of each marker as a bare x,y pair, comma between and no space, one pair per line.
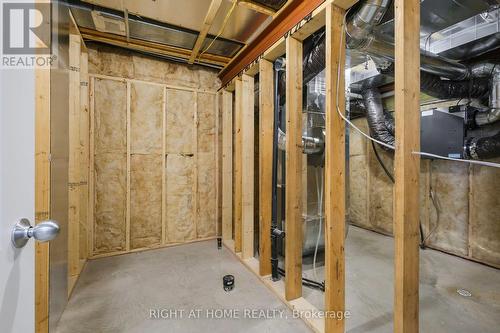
276,233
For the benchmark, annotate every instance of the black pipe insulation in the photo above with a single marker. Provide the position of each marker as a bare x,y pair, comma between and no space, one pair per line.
436,87
483,148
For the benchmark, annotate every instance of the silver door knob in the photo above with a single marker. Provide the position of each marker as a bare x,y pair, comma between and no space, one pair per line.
42,232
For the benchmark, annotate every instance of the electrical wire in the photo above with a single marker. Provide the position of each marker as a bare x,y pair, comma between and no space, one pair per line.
391,177
221,30
435,203
490,164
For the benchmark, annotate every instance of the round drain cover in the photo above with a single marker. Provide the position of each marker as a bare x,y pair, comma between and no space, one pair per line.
464,293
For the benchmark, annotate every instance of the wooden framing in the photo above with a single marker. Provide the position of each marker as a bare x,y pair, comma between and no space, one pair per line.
129,151
266,127
149,47
207,24
84,157
227,165
293,178
335,170
164,174
407,166
74,161
247,166
218,167
331,11
406,206
129,82
195,165
287,19
42,195
237,165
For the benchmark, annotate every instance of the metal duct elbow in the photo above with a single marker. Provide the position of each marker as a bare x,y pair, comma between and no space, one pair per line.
377,118
310,145
483,148
360,26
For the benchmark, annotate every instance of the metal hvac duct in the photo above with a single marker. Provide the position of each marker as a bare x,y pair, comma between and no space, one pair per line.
440,77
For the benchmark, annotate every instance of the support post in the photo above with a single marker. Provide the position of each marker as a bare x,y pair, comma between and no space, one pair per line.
237,166
74,161
293,178
227,165
266,126
247,166
335,169
407,165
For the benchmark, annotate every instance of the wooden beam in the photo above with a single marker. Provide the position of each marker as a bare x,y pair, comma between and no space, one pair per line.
127,25
42,195
247,166
74,161
207,24
128,171
407,166
227,165
266,127
279,26
335,172
293,201
92,191
149,47
257,7
84,157
237,165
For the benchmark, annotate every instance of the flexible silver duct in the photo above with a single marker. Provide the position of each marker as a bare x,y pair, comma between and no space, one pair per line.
488,69
376,118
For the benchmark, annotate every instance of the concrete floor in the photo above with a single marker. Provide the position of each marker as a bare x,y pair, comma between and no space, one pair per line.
369,289
116,294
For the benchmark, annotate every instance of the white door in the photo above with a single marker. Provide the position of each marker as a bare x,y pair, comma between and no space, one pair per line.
17,198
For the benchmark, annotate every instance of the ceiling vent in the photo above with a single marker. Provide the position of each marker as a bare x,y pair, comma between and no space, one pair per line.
107,23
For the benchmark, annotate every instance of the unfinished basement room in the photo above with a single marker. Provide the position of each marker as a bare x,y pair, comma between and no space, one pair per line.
321,166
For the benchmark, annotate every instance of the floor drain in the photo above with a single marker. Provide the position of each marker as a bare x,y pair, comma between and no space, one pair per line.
464,293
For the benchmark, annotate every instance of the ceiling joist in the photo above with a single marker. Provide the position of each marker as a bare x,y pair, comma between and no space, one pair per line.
149,47
207,24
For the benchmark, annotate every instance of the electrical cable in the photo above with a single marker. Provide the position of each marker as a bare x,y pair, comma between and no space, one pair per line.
490,164
435,203
391,177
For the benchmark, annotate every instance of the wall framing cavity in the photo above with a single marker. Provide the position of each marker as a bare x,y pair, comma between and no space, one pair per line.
154,164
